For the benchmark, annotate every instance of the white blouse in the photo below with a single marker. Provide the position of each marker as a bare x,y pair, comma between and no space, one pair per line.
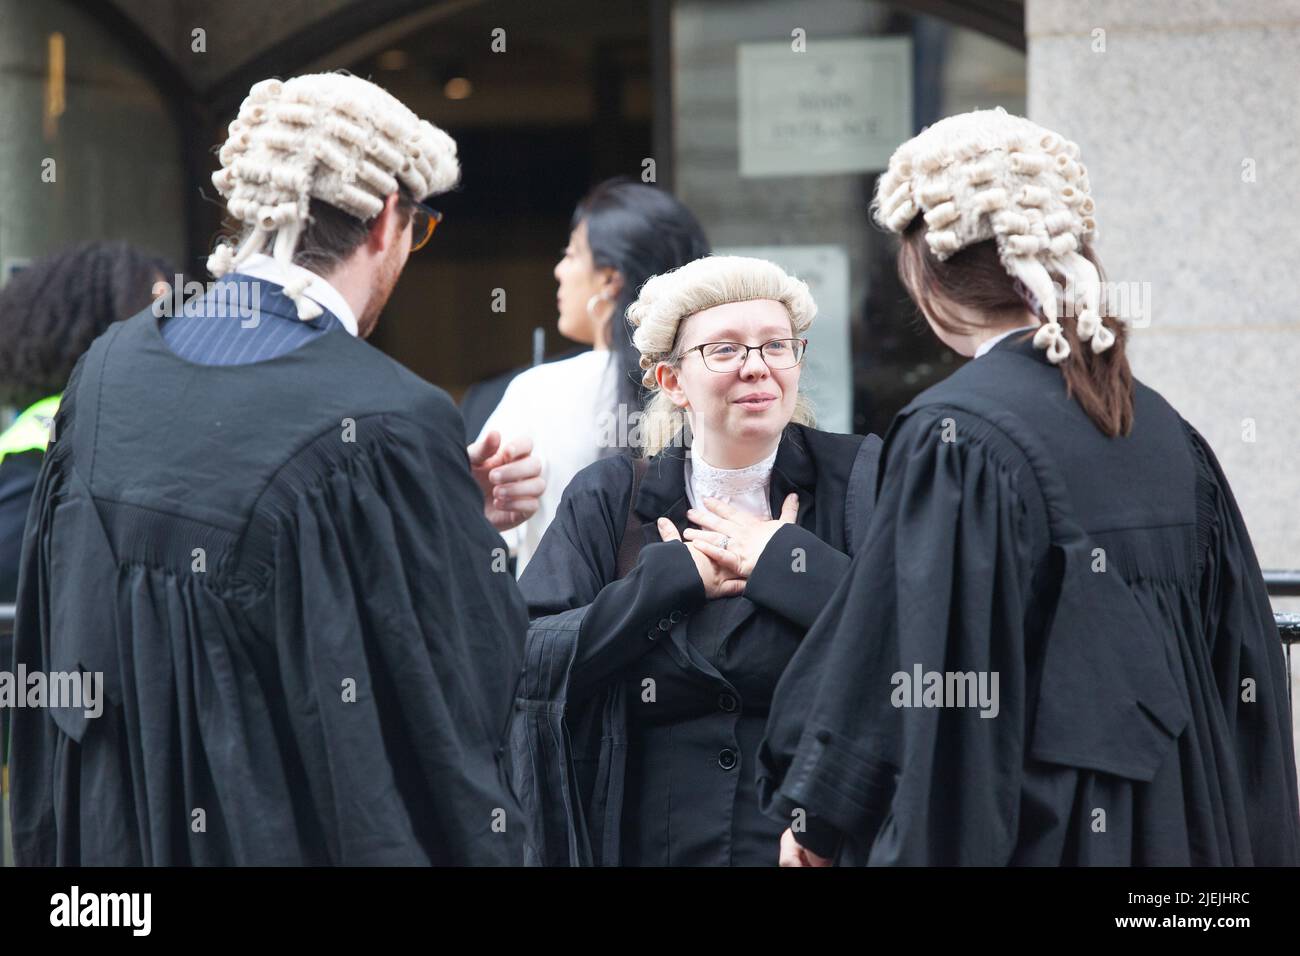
565,408
747,488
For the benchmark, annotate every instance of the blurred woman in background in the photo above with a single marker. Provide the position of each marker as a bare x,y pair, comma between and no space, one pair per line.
583,408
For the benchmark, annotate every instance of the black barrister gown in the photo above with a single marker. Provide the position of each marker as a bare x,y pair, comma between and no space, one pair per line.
1110,583
284,574
643,703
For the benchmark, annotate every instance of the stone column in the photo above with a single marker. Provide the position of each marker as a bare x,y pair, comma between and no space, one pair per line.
101,161
1187,113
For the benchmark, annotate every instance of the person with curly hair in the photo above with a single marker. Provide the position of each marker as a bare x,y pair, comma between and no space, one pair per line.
49,315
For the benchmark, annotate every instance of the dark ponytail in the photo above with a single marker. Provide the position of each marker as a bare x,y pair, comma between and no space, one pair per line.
639,231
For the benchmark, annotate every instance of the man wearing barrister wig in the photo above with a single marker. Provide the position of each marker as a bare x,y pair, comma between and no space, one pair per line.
269,539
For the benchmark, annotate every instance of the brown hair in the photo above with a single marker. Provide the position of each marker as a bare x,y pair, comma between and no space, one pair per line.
973,277
330,235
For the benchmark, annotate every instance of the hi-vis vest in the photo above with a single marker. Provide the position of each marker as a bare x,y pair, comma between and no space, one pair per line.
30,430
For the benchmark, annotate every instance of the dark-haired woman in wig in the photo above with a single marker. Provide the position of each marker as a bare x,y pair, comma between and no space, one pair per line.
582,408
1055,645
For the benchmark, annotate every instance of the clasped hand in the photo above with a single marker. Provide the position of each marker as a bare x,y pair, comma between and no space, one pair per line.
728,542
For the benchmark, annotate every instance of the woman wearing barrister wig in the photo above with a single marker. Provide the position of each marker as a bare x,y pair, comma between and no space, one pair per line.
670,590
1044,518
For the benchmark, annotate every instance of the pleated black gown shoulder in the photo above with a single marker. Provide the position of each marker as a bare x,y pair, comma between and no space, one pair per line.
284,574
1140,714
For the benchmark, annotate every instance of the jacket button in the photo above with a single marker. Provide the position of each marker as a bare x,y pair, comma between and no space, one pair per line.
727,759
654,634
727,702
675,616
665,625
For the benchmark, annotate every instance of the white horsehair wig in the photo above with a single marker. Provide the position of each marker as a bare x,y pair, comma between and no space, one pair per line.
666,301
990,175
328,136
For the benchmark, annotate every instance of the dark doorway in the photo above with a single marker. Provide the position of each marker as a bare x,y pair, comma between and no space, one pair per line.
565,104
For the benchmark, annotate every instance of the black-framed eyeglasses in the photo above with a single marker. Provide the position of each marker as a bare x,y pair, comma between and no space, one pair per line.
732,356
424,220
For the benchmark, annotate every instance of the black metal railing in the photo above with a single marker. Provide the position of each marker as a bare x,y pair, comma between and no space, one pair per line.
1282,583
1285,584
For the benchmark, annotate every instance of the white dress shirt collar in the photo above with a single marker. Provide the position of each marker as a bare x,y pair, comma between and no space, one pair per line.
987,345
262,266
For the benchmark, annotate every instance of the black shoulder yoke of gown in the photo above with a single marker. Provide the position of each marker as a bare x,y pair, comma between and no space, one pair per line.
308,642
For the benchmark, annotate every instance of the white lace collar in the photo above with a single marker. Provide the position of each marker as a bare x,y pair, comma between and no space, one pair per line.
746,487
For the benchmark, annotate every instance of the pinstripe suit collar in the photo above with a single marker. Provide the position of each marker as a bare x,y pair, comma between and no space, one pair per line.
272,271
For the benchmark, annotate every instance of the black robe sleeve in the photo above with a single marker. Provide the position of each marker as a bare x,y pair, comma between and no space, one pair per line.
798,591
388,575
34,743
18,475
1245,645
572,574
939,584
568,736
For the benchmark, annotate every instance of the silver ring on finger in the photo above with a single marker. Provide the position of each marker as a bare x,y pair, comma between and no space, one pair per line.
725,541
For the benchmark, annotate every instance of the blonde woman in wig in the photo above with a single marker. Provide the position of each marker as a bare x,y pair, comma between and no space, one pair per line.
671,590
1055,645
